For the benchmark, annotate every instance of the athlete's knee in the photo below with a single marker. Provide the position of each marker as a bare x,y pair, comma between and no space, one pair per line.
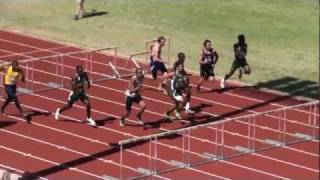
247,70
142,105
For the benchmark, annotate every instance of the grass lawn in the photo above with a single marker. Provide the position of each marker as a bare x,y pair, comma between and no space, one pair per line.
283,35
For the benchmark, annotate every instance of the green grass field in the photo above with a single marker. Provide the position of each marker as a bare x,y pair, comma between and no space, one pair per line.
283,35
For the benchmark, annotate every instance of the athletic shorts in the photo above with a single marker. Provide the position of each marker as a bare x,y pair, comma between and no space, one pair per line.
79,1
178,98
239,63
206,70
156,66
130,100
11,90
176,95
75,96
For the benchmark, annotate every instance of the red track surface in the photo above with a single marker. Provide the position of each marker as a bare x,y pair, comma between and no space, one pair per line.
71,150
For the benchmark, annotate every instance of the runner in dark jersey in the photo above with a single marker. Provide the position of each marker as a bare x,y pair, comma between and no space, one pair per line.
133,95
240,51
78,83
208,59
180,61
176,90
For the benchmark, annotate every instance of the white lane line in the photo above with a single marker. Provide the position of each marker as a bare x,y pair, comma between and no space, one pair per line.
294,121
106,144
71,150
100,112
50,162
275,92
105,64
35,51
17,170
211,142
255,170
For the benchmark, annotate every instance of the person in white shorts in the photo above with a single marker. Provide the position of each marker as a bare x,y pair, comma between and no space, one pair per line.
80,9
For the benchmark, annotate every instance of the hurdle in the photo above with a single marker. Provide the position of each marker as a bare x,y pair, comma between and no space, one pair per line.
134,63
49,72
112,63
219,142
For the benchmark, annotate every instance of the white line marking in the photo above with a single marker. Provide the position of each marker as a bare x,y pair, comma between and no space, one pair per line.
47,161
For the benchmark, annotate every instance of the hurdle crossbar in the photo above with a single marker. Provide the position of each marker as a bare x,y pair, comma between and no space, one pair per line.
133,60
60,54
143,138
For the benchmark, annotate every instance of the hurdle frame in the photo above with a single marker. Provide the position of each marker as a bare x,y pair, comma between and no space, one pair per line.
58,60
313,123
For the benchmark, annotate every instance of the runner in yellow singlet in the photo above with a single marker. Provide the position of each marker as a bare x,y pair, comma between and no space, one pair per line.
13,75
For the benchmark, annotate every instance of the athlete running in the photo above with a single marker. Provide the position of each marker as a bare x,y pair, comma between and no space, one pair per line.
133,95
13,75
79,83
240,51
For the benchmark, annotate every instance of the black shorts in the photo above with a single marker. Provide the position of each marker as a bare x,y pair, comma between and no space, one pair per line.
206,70
75,96
11,90
130,100
156,66
239,63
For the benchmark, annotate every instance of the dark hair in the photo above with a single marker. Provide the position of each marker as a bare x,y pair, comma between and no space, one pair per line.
138,70
181,55
206,42
241,38
78,67
160,38
15,62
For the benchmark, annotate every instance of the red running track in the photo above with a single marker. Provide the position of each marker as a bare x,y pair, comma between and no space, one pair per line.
71,149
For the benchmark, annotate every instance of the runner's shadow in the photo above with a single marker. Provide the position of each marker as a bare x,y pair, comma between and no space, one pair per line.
34,113
4,124
226,89
156,124
150,125
94,13
102,122
199,108
194,120
293,86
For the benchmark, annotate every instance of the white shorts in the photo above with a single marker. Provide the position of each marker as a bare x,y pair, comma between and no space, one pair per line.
127,93
79,1
178,98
